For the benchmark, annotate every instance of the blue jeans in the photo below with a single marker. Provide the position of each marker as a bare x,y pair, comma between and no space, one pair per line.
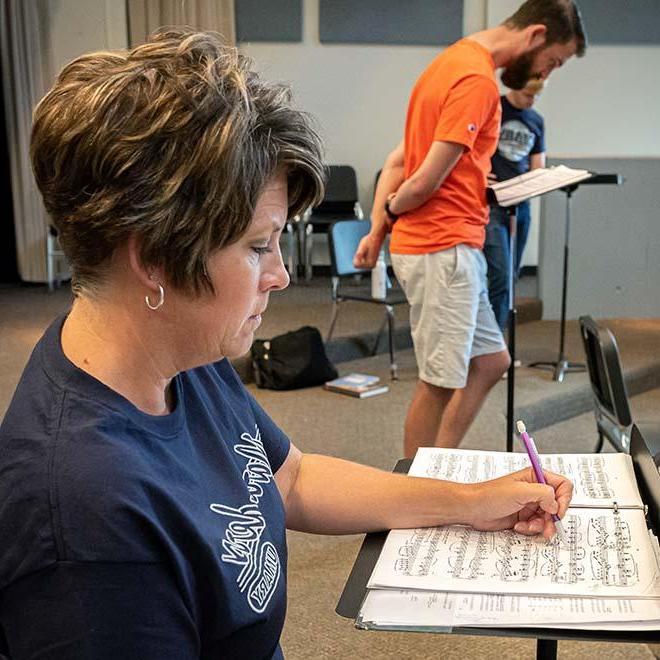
496,250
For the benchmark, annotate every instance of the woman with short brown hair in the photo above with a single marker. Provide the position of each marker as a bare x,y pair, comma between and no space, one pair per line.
145,495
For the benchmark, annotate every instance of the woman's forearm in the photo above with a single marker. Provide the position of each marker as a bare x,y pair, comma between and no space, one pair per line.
333,496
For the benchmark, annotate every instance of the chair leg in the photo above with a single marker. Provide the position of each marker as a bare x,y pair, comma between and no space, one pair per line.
292,260
374,350
304,227
309,244
333,320
599,446
390,324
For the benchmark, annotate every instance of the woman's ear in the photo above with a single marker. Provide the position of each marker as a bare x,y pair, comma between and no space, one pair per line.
148,276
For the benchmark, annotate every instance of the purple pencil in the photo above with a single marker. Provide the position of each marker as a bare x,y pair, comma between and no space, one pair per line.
530,447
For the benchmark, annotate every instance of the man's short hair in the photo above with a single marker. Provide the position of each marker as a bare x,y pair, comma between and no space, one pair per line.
562,19
172,141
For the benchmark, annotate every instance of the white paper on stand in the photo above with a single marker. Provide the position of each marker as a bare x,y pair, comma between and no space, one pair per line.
536,182
438,609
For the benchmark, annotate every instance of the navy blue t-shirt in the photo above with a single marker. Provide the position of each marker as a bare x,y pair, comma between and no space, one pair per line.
522,134
126,535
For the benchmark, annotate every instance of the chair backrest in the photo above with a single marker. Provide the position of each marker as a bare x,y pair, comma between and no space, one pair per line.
341,190
609,389
343,239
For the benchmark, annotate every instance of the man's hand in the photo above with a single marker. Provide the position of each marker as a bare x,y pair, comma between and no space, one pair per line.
367,252
492,178
518,501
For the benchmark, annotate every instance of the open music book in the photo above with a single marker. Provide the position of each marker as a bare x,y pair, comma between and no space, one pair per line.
607,571
536,182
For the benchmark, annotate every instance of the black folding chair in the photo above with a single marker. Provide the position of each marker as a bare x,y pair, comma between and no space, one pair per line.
340,202
613,418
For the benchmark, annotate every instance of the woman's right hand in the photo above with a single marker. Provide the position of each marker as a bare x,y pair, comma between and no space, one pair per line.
517,501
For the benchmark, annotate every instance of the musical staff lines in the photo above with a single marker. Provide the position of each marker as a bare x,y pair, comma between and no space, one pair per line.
603,554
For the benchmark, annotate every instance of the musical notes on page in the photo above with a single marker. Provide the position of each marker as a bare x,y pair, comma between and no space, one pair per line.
604,575
598,479
536,182
606,553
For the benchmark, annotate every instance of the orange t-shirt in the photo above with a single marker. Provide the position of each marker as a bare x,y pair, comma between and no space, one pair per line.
455,100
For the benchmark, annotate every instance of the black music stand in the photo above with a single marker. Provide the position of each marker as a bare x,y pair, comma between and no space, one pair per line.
563,366
648,480
511,328
511,320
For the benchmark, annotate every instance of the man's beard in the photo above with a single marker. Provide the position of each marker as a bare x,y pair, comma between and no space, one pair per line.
516,75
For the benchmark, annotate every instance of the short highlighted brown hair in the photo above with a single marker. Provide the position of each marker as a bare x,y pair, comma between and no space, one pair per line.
562,19
172,141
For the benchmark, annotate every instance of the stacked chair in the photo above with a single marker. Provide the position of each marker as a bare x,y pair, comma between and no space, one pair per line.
339,203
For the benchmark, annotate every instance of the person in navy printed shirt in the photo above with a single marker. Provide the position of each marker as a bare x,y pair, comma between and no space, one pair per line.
145,494
521,148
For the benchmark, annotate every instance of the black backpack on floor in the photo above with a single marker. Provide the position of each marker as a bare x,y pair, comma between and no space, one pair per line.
290,361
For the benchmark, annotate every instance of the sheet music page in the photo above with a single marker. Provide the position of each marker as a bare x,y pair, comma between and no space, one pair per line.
442,609
536,182
607,553
598,479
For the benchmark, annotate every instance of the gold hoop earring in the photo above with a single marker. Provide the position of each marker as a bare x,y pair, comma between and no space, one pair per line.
161,299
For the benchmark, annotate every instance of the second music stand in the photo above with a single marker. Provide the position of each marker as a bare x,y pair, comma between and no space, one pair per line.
561,365
509,194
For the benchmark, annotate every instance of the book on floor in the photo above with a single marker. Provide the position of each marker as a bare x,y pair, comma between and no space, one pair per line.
358,385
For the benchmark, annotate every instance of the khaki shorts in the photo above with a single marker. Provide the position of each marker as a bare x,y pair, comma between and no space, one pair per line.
451,319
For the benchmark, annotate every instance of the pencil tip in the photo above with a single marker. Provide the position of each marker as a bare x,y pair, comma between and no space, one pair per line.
520,425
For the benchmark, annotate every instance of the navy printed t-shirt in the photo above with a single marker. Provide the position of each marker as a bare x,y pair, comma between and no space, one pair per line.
522,134
126,535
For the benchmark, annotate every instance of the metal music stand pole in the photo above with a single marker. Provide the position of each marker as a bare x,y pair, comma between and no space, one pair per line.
511,329
562,366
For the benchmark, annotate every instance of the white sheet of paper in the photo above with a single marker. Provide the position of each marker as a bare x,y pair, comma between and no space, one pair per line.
607,554
536,182
598,479
441,609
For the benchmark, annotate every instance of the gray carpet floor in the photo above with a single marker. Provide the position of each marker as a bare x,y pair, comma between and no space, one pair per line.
370,431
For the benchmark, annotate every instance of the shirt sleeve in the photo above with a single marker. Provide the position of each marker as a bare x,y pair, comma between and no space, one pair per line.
468,107
104,611
539,143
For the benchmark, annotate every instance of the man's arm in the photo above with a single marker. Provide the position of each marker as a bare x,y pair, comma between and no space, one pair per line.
389,180
326,495
427,179
536,161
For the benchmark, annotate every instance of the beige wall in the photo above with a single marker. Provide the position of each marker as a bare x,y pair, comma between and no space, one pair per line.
604,105
358,93
78,26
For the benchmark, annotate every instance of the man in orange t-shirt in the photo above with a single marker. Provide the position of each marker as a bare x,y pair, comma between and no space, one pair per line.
432,195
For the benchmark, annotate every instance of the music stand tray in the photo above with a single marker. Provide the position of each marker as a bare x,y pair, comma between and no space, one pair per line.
355,590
